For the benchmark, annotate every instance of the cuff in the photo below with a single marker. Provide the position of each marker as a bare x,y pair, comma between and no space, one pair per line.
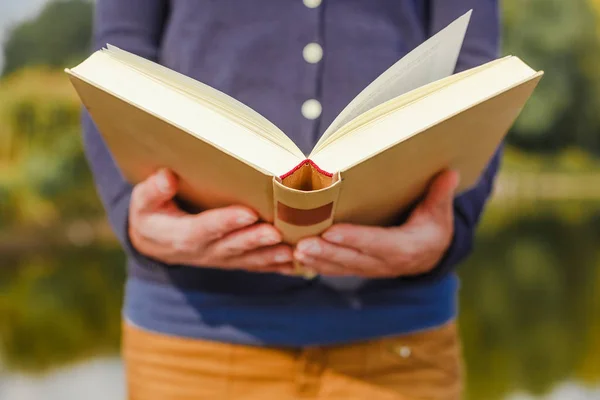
119,218
460,247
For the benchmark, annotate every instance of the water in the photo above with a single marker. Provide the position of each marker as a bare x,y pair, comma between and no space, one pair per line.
530,313
98,379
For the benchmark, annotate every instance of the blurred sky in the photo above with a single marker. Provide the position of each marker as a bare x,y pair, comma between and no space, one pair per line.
14,11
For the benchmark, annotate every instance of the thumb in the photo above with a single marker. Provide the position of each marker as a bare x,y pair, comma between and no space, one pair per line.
153,192
440,194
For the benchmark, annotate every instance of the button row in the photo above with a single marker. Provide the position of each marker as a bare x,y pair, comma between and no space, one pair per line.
311,109
312,53
312,3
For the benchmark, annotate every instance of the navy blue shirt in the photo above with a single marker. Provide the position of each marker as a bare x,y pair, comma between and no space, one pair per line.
254,50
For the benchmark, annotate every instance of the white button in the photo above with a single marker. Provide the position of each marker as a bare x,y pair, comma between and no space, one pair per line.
312,53
311,109
312,3
403,351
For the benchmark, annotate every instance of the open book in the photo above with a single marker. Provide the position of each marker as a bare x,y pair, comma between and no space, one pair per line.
375,160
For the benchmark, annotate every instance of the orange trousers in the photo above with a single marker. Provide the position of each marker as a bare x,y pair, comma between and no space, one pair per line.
424,365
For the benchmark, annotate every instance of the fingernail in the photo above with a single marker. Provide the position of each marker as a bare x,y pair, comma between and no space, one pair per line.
310,247
162,182
268,240
246,219
333,237
282,258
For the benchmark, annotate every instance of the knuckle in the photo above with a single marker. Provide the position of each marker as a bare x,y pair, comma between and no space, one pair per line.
263,235
135,240
370,238
231,250
354,258
398,260
132,222
257,261
225,225
227,219
185,246
136,199
185,242
211,233
214,226
265,229
249,243
135,191
194,233
134,231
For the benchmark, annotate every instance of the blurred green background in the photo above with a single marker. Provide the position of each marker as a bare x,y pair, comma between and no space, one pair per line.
530,302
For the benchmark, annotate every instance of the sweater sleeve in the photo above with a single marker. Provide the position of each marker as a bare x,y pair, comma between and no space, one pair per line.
135,26
481,45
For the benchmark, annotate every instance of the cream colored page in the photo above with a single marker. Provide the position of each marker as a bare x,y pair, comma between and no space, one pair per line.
433,60
205,93
418,116
178,109
402,101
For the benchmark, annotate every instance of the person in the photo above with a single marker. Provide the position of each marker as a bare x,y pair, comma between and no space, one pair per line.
212,308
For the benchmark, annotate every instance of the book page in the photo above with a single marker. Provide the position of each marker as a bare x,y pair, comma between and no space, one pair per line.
208,95
130,89
431,113
433,60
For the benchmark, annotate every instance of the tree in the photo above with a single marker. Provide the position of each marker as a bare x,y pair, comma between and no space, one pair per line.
60,34
561,38
44,175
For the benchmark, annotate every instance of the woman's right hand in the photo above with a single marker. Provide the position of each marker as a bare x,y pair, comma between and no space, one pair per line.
226,238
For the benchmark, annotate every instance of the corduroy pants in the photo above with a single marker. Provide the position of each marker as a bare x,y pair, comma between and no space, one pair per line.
424,365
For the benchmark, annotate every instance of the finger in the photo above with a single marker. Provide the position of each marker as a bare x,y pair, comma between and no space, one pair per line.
214,224
160,227
261,258
432,219
244,240
153,192
346,257
180,234
370,240
440,194
155,233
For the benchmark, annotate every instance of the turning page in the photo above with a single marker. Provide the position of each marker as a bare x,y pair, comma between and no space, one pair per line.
433,60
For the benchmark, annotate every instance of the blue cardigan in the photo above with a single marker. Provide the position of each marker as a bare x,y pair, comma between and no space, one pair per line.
253,50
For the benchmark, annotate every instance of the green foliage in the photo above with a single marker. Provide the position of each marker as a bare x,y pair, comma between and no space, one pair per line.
559,37
59,35
59,309
45,177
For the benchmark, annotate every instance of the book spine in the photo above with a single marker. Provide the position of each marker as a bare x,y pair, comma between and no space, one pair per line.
300,214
